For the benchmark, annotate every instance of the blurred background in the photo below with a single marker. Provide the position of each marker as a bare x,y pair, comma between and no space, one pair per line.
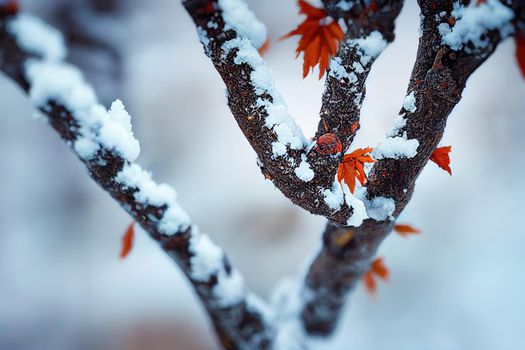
459,285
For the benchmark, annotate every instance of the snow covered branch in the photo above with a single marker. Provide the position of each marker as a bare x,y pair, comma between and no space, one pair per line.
31,54
447,57
456,38
303,170
367,35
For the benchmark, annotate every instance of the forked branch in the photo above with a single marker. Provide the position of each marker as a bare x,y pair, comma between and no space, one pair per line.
303,171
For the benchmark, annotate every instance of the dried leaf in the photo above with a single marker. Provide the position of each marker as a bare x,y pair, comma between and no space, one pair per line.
520,52
441,157
405,230
352,167
127,241
320,37
377,270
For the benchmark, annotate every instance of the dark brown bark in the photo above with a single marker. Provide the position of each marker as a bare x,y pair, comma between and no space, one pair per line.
240,326
342,100
335,118
438,79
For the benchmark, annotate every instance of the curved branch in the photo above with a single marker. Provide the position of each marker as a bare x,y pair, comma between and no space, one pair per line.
104,143
438,79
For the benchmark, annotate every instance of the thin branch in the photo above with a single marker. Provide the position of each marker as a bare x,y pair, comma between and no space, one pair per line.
104,143
231,34
441,70
368,32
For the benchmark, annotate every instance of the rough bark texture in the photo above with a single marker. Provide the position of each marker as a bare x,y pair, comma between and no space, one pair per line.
341,104
339,112
438,79
240,326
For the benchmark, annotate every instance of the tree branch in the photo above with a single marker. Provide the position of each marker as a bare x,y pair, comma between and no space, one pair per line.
367,34
303,172
104,143
441,70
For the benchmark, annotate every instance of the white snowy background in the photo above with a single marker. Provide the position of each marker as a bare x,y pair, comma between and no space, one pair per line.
459,285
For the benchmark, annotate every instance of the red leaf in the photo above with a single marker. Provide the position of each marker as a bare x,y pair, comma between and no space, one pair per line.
441,157
328,144
264,48
127,241
352,167
405,230
520,52
319,38
377,270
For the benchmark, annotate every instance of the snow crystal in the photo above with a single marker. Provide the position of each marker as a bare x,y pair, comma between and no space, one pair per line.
303,171
338,71
61,82
86,148
399,123
334,198
358,208
149,192
474,21
380,208
36,37
174,220
240,18
115,131
278,149
370,46
409,104
230,289
207,258
396,147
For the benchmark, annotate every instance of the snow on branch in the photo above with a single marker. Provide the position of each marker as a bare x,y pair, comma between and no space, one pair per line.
369,30
438,79
32,55
303,170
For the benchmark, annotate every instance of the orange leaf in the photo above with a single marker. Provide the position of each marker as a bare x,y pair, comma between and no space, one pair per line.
264,48
441,157
352,167
127,241
405,230
520,51
318,39
377,270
